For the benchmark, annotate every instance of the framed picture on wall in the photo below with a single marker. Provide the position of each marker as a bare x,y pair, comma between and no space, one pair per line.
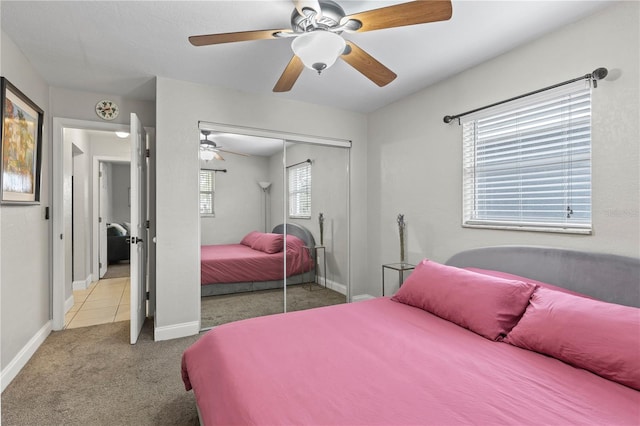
21,147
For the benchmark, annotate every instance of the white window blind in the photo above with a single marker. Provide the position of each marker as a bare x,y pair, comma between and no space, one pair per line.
527,165
300,191
207,189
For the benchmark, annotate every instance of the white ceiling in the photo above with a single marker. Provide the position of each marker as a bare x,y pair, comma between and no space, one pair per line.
117,47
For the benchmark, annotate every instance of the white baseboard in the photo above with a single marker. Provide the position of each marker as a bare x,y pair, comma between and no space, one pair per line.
361,297
68,304
340,288
82,285
176,331
20,360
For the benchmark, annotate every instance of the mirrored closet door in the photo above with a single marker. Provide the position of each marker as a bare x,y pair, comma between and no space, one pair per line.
274,225
241,262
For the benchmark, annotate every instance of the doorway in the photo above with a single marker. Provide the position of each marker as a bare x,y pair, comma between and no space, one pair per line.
89,267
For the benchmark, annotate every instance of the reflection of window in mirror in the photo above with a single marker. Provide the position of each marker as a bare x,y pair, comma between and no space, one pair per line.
299,177
207,189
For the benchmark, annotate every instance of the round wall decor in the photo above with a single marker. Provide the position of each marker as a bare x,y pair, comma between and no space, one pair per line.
107,110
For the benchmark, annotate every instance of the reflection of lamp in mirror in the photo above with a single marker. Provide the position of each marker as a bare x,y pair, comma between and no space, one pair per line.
265,187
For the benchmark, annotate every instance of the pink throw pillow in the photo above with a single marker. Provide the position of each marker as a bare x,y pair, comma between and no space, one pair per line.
601,337
269,243
250,238
486,305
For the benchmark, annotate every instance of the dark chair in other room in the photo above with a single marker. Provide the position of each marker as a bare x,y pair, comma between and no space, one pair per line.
117,243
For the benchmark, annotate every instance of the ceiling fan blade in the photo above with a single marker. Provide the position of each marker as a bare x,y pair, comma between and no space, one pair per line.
403,14
208,39
233,152
308,4
367,65
290,75
217,156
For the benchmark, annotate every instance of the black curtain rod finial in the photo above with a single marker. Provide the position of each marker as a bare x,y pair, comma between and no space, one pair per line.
447,119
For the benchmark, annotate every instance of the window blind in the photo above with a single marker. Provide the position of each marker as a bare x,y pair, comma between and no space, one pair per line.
207,180
528,165
300,191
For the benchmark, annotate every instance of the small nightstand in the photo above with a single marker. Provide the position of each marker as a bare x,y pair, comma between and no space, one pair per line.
312,251
401,267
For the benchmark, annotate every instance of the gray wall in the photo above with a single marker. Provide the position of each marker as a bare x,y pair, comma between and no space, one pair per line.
81,204
238,200
415,161
180,105
119,186
25,246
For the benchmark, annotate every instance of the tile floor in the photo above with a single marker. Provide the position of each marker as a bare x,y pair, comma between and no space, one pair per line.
103,302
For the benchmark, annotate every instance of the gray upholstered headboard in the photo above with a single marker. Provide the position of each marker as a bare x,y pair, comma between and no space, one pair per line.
604,276
297,231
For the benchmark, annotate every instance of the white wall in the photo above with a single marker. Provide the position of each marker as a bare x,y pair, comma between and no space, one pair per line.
25,250
238,200
81,204
180,105
120,187
415,159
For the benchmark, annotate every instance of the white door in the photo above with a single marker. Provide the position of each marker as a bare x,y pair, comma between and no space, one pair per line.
102,221
138,261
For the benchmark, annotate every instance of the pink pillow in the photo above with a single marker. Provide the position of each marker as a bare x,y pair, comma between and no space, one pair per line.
601,337
269,243
250,238
486,305
509,276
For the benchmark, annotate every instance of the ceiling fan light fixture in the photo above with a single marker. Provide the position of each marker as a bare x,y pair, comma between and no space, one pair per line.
318,50
206,154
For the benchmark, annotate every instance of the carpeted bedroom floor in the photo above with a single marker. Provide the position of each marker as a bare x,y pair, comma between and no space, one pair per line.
93,376
216,310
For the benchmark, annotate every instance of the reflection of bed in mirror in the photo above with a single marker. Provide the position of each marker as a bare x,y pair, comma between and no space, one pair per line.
257,262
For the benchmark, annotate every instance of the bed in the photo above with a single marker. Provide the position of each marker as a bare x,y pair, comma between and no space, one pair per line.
256,263
500,335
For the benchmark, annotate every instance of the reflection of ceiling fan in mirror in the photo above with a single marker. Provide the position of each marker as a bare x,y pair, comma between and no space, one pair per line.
317,27
209,150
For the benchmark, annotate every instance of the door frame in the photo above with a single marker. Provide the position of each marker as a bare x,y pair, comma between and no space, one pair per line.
59,257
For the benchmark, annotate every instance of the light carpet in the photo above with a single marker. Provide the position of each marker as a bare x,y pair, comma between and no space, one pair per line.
217,310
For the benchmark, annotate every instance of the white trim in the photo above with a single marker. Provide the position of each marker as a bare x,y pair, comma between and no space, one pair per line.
176,331
68,304
20,360
275,134
340,288
363,297
82,285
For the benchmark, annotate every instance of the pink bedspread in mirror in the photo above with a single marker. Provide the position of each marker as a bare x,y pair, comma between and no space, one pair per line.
232,263
381,362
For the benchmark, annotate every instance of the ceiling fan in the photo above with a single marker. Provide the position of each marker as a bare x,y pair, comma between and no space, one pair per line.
316,27
209,150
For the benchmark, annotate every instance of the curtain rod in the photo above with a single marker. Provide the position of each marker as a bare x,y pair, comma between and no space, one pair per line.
596,75
308,160
217,170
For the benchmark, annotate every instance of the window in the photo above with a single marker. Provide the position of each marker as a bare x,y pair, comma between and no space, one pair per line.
300,191
207,189
528,166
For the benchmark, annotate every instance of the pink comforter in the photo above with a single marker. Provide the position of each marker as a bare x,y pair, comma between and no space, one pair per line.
381,362
234,263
